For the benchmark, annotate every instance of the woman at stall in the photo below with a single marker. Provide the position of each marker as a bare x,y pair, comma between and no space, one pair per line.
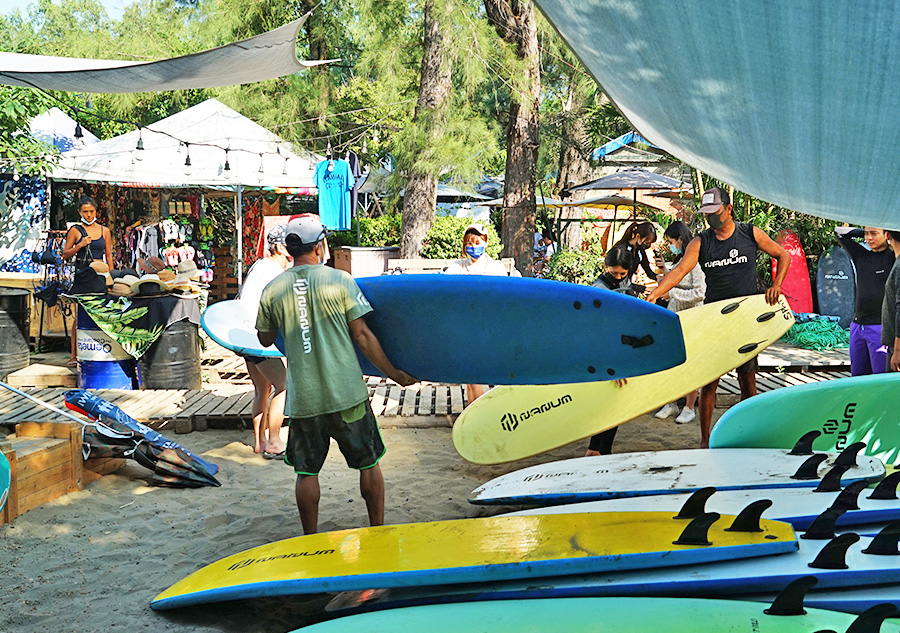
87,241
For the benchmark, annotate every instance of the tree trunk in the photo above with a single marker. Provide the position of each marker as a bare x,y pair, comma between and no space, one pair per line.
420,198
515,22
574,160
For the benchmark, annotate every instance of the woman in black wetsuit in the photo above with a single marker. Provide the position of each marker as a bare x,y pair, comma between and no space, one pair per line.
87,241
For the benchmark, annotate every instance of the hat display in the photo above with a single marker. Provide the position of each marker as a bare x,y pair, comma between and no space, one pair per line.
713,199
307,227
87,282
149,284
185,288
476,227
187,271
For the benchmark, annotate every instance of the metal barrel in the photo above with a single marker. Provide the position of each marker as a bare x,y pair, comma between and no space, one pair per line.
15,319
173,361
102,363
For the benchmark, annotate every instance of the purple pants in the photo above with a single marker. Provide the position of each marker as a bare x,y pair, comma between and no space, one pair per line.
867,354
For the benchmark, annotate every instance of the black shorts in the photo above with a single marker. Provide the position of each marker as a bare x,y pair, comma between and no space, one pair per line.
309,438
749,367
256,360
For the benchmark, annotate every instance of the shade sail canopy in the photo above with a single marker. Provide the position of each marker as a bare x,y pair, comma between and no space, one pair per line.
792,102
631,178
265,56
256,158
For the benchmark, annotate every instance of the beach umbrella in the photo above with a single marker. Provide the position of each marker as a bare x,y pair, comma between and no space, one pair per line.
633,178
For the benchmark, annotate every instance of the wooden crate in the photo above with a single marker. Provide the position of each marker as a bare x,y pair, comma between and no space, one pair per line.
38,375
224,284
46,463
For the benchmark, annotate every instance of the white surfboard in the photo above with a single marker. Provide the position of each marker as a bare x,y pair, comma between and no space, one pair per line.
764,576
663,472
797,506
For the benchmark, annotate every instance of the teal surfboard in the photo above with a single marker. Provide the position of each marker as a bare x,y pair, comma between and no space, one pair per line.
594,615
496,330
844,410
4,480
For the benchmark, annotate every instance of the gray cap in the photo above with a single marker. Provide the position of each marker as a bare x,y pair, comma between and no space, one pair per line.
308,227
713,199
277,234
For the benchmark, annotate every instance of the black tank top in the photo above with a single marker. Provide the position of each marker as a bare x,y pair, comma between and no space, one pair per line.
729,265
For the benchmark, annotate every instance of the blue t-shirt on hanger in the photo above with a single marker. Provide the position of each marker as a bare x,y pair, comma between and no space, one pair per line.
334,181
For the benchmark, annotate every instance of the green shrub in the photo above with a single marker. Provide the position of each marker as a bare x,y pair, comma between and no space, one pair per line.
444,239
381,231
577,267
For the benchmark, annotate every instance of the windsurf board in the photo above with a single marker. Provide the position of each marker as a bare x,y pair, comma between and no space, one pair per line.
514,422
471,550
845,410
591,615
660,472
429,326
836,286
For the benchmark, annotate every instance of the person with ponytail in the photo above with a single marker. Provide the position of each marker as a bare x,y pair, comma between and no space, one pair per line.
689,293
638,238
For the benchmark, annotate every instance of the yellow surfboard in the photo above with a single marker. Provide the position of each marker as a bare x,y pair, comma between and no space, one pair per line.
513,422
472,550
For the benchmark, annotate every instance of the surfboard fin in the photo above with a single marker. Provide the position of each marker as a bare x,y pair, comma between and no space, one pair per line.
822,526
885,542
848,455
636,342
765,316
887,487
870,620
804,444
831,482
849,497
790,600
695,504
748,518
697,531
834,554
810,468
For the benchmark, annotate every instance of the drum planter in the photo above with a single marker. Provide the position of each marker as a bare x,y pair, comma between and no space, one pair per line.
173,361
14,323
102,363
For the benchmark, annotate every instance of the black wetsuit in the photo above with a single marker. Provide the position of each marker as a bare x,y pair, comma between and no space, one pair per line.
872,271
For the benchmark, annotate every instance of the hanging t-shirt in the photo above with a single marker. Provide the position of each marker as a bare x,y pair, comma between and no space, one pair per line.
334,182
356,172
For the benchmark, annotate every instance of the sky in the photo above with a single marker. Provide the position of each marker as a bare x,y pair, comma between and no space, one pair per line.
114,8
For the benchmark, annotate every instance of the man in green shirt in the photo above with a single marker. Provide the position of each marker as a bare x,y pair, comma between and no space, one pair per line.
319,311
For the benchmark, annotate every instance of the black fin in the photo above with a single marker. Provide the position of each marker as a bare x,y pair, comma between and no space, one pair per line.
849,497
804,444
810,468
870,620
831,482
748,519
885,542
848,455
822,526
834,554
635,342
887,487
695,504
696,532
790,600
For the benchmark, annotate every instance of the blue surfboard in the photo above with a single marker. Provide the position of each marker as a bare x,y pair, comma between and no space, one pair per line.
836,285
496,330
5,480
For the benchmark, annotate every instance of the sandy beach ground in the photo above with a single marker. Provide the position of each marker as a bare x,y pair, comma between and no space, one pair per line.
91,561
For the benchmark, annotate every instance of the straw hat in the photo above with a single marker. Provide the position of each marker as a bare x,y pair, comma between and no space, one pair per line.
103,270
185,288
121,289
151,264
187,271
167,277
149,284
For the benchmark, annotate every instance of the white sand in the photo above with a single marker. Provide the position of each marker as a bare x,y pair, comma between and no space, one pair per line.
93,560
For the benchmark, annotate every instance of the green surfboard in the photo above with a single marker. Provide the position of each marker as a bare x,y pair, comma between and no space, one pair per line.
844,411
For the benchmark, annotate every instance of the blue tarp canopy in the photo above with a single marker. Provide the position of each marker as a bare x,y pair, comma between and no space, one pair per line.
792,102
618,143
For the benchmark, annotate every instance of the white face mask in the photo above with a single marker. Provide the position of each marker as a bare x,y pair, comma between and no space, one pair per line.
83,221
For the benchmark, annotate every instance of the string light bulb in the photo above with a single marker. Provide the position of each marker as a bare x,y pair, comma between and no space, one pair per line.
260,163
187,160
284,170
139,148
227,164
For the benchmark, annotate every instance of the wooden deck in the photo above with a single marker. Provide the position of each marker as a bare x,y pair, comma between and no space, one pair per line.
227,397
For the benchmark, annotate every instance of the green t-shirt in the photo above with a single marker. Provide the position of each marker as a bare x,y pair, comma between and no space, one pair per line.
312,306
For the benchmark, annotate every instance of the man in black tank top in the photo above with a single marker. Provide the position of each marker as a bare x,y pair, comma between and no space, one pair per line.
726,253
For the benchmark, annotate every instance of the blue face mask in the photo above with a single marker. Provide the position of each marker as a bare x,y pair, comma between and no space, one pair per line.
674,249
474,251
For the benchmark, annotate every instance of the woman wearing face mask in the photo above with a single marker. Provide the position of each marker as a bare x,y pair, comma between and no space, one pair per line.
638,238
87,241
618,262
689,293
475,261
